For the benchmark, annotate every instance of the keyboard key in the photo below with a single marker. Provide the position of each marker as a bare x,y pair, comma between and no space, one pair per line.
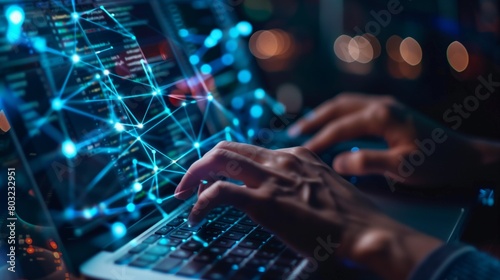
257,262
182,234
275,273
235,212
218,209
144,261
259,234
167,265
151,239
205,257
250,243
233,260
219,271
169,242
181,254
164,230
208,234
242,228
233,235
158,250
138,249
175,222
247,221
195,228
126,259
217,251
241,252
219,225
227,219
266,254
247,273
223,242
192,245
192,268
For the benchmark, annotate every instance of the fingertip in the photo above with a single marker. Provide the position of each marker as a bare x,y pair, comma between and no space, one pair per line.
294,131
340,164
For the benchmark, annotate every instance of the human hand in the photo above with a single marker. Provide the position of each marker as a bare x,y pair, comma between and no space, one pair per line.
295,195
421,152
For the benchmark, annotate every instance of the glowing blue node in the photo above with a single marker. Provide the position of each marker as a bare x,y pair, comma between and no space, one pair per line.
235,267
183,33
138,138
355,149
236,122
97,76
210,97
130,207
119,127
151,196
140,126
256,111
159,201
210,42
244,76
119,97
89,213
216,34
227,59
259,93
137,187
15,14
69,149
244,28
118,230
206,69
234,33
75,15
155,168
106,72
133,38
261,269
69,213
134,161
251,133
194,59
75,58
232,45
196,145
40,44
57,104
237,103
184,104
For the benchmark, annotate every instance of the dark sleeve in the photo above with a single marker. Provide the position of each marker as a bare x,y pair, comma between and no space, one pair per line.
457,262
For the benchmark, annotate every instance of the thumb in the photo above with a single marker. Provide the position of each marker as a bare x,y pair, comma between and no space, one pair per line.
365,162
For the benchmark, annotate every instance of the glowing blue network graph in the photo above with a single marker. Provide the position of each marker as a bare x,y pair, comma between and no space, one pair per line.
124,118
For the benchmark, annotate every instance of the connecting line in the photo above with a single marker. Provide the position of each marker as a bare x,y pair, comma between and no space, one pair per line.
147,109
119,24
205,116
105,27
63,88
71,109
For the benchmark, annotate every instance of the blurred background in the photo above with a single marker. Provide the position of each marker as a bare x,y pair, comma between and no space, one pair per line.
428,54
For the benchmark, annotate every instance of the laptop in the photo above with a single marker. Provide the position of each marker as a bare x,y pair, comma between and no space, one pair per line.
110,102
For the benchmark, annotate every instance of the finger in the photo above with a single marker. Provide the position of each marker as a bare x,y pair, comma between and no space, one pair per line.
366,162
221,192
219,163
301,153
328,111
346,128
252,152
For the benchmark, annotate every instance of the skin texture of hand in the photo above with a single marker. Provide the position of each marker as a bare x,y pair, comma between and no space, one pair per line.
421,152
295,195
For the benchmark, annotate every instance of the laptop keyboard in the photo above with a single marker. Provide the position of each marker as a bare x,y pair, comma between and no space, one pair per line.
225,245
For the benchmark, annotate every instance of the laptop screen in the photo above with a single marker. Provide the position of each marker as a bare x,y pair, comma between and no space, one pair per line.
108,111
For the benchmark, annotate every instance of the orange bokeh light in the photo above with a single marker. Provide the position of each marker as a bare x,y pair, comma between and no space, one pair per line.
28,240
458,57
411,52
30,250
53,245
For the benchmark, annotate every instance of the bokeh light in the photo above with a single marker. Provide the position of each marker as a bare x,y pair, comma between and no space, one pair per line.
393,48
458,57
411,52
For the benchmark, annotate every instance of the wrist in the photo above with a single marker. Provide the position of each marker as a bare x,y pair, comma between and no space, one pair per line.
389,249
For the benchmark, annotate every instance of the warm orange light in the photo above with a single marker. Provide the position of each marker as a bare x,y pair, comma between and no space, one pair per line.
393,44
264,44
341,48
360,49
458,57
411,52
377,49
56,255
30,250
28,240
53,245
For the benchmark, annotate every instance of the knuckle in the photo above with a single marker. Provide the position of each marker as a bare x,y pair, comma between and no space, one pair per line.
222,145
300,151
380,111
288,161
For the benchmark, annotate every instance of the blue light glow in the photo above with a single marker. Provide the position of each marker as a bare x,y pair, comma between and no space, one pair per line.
15,14
259,93
130,207
234,33
196,145
137,187
237,103
194,59
261,269
57,104
210,97
227,59
118,230
236,122
183,33
251,133
256,111
210,42
354,149
40,44
206,69
232,45
106,72
69,149
244,28
244,76
75,15
75,58
216,34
